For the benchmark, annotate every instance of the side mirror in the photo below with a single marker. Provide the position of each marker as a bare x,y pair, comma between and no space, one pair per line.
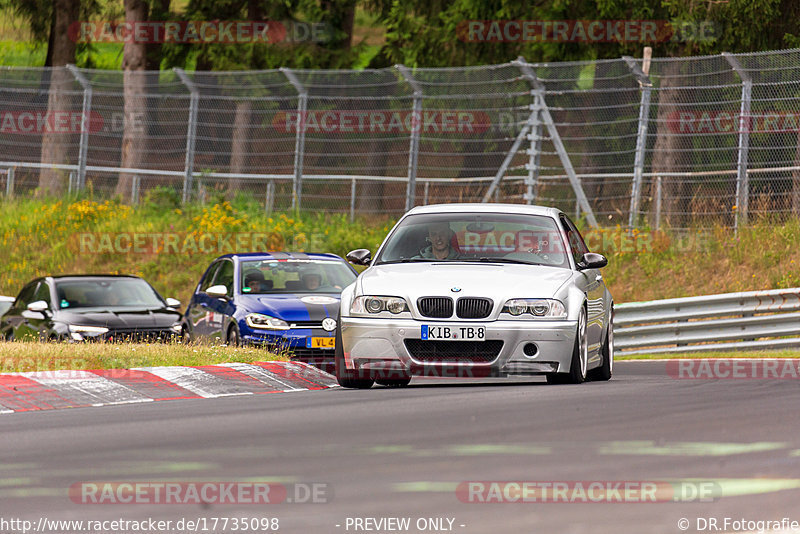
38,306
591,260
219,291
360,256
173,303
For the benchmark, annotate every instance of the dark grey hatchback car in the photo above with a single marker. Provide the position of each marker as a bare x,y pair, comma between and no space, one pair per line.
91,307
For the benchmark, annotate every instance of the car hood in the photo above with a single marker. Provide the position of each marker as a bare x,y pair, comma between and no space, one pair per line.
120,319
293,307
493,280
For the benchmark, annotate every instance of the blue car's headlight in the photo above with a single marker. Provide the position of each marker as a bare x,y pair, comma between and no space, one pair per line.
265,322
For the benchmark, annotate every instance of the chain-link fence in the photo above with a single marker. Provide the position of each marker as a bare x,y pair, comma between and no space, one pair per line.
700,140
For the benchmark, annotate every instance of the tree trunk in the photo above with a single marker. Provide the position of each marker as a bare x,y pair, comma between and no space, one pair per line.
239,140
134,63
667,156
61,52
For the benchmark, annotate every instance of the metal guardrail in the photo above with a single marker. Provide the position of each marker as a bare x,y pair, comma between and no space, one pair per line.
729,321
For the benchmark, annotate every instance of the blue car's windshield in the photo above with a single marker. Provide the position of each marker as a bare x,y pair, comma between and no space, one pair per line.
485,237
295,276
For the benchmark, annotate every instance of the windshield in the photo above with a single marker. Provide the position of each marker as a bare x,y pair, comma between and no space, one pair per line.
295,276
490,237
105,293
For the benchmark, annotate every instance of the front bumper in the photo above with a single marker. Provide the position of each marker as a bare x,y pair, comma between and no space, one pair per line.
380,345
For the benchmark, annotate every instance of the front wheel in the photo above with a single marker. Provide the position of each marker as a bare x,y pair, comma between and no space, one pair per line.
233,339
580,357
605,371
347,378
393,382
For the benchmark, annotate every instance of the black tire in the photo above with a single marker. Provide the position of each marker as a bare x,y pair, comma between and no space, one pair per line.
577,367
393,382
347,378
233,339
604,372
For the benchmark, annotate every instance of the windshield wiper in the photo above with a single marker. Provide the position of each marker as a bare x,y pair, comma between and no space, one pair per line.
407,260
507,260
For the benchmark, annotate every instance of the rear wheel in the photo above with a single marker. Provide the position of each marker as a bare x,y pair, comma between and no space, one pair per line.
577,368
348,378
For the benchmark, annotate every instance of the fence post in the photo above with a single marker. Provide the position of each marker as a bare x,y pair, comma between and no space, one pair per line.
191,132
427,189
535,150
658,203
135,189
416,126
558,144
300,136
10,183
742,179
352,199
269,202
86,110
641,137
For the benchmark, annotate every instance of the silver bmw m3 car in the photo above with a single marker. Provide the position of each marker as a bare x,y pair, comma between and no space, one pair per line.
476,290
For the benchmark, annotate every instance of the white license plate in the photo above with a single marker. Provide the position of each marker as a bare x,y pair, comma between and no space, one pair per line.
453,332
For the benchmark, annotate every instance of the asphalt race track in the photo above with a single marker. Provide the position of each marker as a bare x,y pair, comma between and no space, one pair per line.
387,453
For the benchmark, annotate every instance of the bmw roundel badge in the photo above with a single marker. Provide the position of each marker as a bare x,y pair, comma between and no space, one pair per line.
455,289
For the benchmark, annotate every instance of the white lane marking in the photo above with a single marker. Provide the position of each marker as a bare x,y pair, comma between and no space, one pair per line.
258,373
195,380
87,383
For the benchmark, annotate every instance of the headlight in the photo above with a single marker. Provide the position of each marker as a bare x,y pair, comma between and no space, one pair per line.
79,332
265,322
90,330
177,328
549,308
371,305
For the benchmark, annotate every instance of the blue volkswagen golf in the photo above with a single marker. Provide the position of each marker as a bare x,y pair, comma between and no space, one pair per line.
287,301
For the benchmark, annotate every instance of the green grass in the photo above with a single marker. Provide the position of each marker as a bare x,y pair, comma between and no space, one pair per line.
32,54
703,355
42,237
47,238
25,356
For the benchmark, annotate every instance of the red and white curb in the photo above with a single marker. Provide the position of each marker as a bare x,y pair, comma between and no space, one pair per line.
50,390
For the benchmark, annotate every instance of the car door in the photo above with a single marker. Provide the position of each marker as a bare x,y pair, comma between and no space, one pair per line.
197,312
592,283
221,309
12,320
29,324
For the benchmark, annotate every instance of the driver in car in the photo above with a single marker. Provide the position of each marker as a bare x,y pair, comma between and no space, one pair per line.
440,235
256,282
